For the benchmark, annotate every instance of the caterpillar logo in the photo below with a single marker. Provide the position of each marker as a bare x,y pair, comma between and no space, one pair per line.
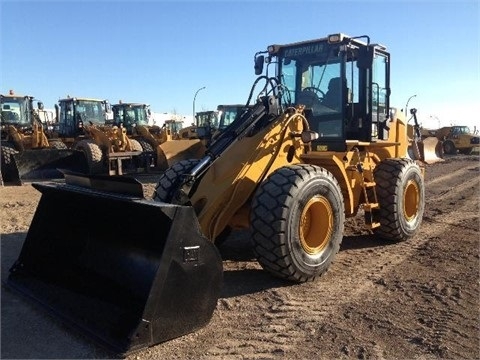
305,50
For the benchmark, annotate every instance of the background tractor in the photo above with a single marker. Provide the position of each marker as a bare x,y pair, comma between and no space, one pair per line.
26,152
319,145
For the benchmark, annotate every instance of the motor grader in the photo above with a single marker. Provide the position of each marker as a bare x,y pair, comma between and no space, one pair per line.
159,143
82,125
26,152
317,144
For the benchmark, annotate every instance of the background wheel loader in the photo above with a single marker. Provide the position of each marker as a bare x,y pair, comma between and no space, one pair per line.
426,149
319,145
81,125
454,139
209,124
26,153
159,143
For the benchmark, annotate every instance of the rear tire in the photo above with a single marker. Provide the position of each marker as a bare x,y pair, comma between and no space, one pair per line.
146,146
401,195
297,221
170,179
8,170
135,145
449,148
59,145
149,152
94,156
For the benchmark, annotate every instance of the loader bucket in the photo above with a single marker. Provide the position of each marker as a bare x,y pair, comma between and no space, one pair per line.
44,164
128,272
173,151
429,150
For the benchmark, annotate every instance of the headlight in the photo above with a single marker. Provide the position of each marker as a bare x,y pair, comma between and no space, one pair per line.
335,38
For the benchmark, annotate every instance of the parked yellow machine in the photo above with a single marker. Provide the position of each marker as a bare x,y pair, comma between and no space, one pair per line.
427,149
26,152
455,139
82,125
159,143
318,146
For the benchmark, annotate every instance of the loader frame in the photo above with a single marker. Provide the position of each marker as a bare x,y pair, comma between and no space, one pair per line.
287,167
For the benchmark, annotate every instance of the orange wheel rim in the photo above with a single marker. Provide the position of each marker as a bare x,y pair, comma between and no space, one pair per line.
316,225
411,200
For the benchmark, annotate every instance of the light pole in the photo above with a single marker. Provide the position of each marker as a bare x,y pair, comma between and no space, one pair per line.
194,97
406,106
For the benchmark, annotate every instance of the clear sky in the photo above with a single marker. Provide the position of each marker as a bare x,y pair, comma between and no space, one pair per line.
162,52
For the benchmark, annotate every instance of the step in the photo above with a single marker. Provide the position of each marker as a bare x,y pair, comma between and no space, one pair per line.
369,207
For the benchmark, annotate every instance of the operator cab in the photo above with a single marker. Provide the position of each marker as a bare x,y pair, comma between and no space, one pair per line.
74,113
343,83
16,110
130,115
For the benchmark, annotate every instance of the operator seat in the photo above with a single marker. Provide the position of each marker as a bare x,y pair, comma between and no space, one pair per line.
334,97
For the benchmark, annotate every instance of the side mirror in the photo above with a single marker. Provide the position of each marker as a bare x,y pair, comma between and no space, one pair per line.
40,105
259,61
57,112
365,57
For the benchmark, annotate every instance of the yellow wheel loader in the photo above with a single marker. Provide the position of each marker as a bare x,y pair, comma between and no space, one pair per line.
159,143
228,113
209,124
457,138
318,145
428,149
82,125
26,152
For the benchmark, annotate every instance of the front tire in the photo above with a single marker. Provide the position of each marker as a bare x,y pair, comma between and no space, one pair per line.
9,170
449,148
59,145
94,156
135,145
401,195
297,221
170,179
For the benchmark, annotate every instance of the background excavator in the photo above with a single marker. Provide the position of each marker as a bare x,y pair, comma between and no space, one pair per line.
26,152
318,145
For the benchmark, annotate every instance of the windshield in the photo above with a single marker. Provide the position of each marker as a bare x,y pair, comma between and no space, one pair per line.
461,130
90,111
15,111
129,115
227,115
174,126
207,118
312,76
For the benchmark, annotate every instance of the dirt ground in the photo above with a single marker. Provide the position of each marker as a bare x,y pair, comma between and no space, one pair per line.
413,300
